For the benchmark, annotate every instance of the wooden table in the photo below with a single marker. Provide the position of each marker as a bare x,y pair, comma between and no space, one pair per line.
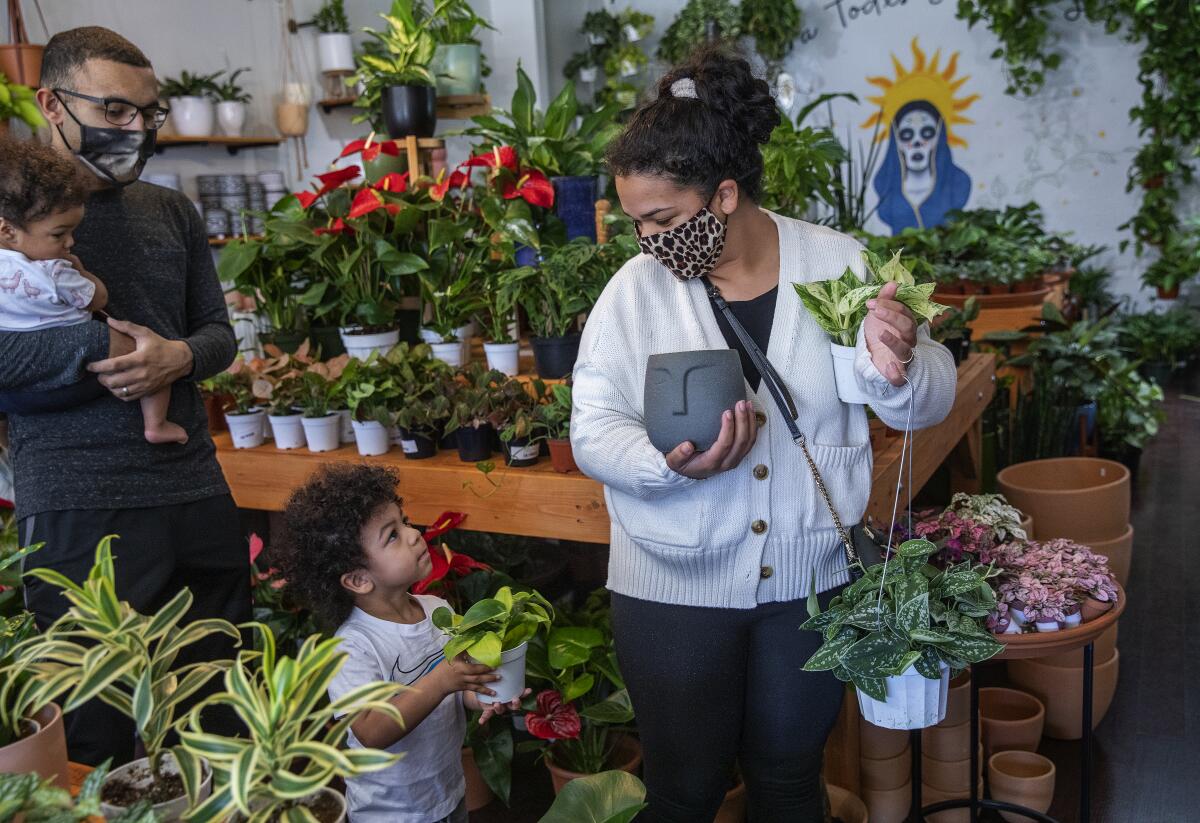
539,502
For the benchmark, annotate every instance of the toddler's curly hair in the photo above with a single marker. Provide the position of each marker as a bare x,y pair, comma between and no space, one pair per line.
324,520
36,182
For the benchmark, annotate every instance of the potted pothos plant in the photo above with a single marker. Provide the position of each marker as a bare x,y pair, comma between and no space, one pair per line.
425,407
317,389
840,306
243,415
901,630
555,418
496,632
373,394
515,419
473,396
1178,261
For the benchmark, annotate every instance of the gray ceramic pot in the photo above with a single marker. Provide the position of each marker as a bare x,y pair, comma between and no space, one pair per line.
685,394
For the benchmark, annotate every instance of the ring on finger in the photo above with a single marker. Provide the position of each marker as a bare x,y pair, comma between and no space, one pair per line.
124,391
911,354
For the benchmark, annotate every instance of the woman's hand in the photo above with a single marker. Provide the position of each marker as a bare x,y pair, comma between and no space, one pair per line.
739,430
891,334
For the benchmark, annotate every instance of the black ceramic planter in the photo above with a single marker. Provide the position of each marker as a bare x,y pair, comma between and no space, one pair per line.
417,446
555,357
474,444
518,453
410,110
686,393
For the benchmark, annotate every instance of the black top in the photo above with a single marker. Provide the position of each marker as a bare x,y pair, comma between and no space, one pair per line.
756,316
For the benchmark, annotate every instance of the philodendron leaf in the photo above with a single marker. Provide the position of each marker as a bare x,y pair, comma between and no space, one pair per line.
486,649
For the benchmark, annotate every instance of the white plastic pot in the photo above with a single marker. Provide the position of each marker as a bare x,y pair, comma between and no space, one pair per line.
192,116
913,701
632,34
335,52
1047,625
587,74
246,430
1017,616
1072,620
322,433
287,430
363,345
345,426
167,812
503,357
843,372
512,676
231,115
449,353
595,39
372,438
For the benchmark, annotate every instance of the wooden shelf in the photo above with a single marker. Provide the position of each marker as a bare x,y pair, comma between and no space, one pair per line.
232,144
330,103
450,107
217,242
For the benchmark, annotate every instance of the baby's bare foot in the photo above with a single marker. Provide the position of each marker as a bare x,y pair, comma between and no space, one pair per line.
168,432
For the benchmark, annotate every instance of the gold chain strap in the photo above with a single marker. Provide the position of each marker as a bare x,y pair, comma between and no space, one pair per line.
851,553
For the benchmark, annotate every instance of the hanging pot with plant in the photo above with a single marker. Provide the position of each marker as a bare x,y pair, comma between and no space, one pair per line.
335,49
20,60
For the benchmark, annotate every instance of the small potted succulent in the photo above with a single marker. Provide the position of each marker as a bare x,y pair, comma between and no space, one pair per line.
555,419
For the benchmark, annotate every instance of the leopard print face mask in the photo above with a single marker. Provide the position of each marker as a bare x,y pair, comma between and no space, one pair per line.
689,250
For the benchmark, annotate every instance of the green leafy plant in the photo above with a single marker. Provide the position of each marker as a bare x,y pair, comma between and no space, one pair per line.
1166,337
236,384
515,414
493,625
774,25
1178,261
555,414
270,273
1089,291
331,18
188,84
425,381
19,101
907,613
228,90
11,555
690,27
457,23
801,164
954,324
28,797
607,797
319,386
636,22
474,394
400,57
372,391
1128,410
295,738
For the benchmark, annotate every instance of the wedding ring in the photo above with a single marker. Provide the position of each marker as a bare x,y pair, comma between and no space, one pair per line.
911,354
124,391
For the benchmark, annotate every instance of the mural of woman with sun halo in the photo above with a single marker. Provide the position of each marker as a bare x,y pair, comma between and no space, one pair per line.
918,181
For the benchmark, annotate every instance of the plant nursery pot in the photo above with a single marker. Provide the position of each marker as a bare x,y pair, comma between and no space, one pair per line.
686,393
876,743
457,68
345,426
372,438
519,452
575,205
335,52
888,805
417,445
42,751
136,775
231,115
626,757
845,376
479,794
1081,498
947,743
503,357
950,776
1046,625
1023,778
733,807
1061,691
554,357
410,110
1010,719
192,116
449,353
287,431
447,442
246,430
846,805
327,340
512,676
361,345
562,457
913,701
526,256
323,433
886,773
475,443
958,702
22,62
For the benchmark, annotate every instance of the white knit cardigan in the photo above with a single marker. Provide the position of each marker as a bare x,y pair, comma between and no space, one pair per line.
682,541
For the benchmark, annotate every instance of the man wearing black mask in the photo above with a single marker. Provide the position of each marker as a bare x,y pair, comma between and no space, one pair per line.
83,470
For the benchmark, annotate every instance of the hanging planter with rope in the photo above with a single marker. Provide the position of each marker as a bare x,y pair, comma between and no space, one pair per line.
20,60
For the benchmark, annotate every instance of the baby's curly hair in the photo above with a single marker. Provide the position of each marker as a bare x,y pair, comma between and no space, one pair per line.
36,182
324,520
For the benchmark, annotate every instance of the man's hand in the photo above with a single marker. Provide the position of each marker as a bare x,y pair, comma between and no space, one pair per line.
155,362
891,334
739,430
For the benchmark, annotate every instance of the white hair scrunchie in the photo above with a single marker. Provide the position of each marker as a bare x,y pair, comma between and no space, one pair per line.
684,87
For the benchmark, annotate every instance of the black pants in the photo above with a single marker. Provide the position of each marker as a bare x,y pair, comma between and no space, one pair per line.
160,550
715,687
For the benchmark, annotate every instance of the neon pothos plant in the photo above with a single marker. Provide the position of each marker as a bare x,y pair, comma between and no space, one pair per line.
494,625
918,615
293,746
840,306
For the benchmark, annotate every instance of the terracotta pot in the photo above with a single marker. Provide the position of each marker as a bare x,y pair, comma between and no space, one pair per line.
930,795
1061,690
999,288
1081,498
845,805
971,287
733,807
1024,778
890,806
958,703
626,756
949,775
1010,719
947,742
44,751
1104,646
889,773
1093,608
875,743
478,792
562,458
1168,294
1027,525
22,62
1119,552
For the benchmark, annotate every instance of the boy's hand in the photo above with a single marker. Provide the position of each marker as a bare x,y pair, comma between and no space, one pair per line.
461,675
490,710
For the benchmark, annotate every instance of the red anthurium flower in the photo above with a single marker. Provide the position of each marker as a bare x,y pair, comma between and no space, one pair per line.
447,563
392,182
330,180
457,179
371,148
256,547
306,198
365,202
499,156
444,523
553,720
533,187
338,226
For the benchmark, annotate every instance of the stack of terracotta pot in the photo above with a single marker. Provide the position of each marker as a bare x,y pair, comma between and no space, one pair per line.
1086,500
946,754
885,769
1012,722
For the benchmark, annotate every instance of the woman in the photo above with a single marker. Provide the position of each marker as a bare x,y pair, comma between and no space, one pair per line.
714,552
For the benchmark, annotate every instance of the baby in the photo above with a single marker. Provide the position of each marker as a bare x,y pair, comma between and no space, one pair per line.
43,285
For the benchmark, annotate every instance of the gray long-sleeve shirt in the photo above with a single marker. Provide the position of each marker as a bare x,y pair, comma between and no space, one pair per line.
149,247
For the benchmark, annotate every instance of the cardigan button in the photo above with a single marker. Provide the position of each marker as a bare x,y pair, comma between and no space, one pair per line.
765,572
760,472
760,418
758,526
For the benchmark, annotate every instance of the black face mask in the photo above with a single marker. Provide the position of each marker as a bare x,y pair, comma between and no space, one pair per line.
116,155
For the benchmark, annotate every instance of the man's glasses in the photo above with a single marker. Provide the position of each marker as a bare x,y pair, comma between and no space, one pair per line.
120,112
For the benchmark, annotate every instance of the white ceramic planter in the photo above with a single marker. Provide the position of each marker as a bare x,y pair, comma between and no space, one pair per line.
632,34
192,116
322,433
372,438
335,52
345,426
287,430
246,430
363,345
843,372
913,701
503,357
587,74
512,676
1047,625
449,353
231,115
595,39
167,812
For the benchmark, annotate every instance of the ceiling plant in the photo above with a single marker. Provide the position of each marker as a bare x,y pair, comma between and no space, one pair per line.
774,25
692,26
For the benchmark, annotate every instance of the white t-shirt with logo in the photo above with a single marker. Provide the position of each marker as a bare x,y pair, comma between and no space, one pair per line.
427,783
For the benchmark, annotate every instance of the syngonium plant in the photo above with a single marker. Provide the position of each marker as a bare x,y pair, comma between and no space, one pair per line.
905,613
493,625
840,306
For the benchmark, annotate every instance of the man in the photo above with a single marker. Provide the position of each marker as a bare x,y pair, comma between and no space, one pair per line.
83,471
